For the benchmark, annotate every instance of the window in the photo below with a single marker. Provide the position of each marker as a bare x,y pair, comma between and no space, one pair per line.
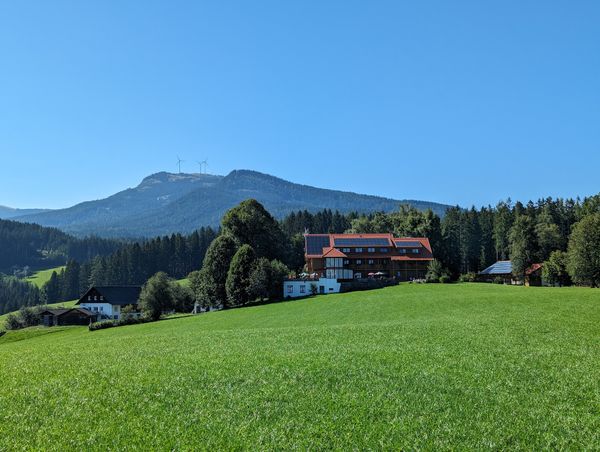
102,297
371,250
89,298
415,251
383,250
371,261
290,288
95,297
95,308
116,317
358,275
302,289
101,308
358,261
345,250
402,250
359,250
346,261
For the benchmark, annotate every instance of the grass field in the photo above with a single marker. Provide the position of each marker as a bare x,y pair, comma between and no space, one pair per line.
415,366
41,277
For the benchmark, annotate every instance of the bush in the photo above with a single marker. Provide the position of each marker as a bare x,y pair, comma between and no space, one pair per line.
129,320
445,279
13,322
498,280
468,277
24,318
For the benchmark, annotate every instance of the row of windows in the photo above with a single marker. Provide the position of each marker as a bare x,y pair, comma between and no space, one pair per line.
95,298
360,250
290,289
379,250
413,250
368,261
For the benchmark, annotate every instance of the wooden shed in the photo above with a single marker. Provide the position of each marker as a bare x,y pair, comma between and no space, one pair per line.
73,316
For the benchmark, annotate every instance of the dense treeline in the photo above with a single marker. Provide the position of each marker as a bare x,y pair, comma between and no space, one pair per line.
469,240
35,246
176,255
15,293
564,234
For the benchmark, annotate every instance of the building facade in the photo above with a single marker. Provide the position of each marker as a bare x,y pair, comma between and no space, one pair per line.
295,288
346,257
107,301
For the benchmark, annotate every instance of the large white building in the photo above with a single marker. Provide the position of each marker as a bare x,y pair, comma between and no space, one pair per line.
107,301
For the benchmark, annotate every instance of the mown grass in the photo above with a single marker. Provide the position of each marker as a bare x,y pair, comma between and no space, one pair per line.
416,366
41,277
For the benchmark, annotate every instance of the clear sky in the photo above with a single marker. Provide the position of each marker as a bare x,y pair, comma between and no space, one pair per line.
450,101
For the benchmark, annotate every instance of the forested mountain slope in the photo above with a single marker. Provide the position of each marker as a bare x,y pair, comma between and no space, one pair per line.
165,203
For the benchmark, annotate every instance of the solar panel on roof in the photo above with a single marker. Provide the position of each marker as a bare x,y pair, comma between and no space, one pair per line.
362,241
316,243
499,268
407,244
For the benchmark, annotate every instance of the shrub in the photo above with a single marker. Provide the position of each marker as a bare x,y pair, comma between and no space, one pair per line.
445,279
498,280
129,320
13,322
434,271
468,277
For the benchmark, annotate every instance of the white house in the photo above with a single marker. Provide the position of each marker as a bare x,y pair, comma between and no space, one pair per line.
294,288
107,301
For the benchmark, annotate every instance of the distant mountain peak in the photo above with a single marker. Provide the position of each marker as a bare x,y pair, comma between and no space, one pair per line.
164,203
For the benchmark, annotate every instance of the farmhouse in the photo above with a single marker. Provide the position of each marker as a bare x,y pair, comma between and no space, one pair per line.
107,301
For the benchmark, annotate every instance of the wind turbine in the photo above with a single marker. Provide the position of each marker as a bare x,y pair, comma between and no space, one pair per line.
179,163
205,163
200,165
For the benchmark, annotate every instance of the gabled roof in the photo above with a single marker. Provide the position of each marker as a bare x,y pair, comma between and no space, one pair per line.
116,295
59,312
316,245
533,268
498,268
332,252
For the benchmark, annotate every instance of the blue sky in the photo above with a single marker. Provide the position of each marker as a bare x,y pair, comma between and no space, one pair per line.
456,102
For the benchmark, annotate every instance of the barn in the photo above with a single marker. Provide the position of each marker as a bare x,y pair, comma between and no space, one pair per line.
501,270
62,317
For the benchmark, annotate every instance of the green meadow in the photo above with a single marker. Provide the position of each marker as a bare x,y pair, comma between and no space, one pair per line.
461,366
41,277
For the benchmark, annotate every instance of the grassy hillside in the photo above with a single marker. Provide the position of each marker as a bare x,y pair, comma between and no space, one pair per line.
41,277
413,366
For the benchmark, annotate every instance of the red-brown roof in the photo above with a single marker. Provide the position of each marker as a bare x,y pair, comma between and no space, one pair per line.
325,243
533,268
332,252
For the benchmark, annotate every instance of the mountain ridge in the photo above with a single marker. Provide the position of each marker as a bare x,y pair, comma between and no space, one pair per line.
164,203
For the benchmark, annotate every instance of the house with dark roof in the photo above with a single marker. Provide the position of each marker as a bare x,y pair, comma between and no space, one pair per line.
107,301
347,257
67,316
